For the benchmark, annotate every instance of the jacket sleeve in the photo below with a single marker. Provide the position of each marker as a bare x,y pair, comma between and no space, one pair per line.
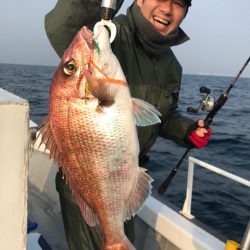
67,17
174,126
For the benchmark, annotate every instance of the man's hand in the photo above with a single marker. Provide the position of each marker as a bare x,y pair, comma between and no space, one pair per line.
198,135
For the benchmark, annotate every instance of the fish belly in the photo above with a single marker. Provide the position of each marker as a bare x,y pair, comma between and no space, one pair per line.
100,151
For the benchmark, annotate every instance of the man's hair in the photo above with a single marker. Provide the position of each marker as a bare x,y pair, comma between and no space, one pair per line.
188,2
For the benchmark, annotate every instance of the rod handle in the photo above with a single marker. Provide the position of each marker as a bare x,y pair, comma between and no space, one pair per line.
166,182
163,187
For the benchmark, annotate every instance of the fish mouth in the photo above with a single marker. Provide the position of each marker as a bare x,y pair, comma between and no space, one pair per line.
87,36
161,21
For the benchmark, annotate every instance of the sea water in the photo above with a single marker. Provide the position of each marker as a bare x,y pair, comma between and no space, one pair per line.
220,203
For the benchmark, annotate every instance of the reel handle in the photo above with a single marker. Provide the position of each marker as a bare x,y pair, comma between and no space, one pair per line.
192,110
205,89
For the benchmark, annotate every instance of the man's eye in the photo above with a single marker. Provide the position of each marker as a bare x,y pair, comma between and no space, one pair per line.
70,67
181,3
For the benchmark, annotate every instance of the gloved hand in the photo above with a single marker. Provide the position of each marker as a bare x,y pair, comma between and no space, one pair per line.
197,135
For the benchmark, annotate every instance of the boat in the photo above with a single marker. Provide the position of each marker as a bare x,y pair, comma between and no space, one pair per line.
27,189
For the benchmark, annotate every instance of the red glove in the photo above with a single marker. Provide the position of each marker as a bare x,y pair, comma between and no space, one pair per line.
200,142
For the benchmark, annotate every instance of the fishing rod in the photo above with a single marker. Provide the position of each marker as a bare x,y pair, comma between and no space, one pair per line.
209,105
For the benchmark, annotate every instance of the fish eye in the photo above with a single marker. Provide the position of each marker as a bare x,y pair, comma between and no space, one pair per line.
70,67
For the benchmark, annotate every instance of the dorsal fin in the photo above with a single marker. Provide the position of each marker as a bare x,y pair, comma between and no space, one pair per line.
50,144
47,139
141,191
145,113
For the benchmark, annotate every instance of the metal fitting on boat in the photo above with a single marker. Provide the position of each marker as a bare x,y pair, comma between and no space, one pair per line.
232,245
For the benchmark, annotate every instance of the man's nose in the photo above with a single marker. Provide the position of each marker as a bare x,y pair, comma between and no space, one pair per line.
166,7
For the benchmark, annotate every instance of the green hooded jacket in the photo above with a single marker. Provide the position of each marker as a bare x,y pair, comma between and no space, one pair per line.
154,79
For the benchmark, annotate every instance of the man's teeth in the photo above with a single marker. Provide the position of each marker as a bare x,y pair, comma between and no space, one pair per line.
161,21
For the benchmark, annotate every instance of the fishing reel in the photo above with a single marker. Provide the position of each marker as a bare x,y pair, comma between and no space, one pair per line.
207,102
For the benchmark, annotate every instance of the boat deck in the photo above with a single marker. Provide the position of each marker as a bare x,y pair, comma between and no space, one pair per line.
43,201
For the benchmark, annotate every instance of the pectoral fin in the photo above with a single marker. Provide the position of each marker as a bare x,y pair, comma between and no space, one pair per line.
145,113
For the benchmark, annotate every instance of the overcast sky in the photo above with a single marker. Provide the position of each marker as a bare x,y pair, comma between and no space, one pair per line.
219,32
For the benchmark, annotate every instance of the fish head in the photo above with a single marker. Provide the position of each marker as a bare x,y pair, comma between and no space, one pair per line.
70,79
89,71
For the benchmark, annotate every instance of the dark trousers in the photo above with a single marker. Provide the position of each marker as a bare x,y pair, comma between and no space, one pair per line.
80,235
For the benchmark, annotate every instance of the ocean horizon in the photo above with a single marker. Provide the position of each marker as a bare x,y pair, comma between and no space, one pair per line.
185,73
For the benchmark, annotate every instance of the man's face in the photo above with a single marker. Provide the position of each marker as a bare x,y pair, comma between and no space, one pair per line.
165,15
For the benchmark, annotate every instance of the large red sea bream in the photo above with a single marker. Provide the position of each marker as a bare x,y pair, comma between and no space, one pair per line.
91,133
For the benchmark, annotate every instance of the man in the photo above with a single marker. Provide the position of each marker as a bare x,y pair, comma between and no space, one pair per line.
142,46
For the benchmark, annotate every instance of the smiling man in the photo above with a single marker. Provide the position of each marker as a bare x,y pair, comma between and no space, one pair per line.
165,16
142,45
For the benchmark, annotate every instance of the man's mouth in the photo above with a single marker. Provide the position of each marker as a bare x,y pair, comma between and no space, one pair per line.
161,21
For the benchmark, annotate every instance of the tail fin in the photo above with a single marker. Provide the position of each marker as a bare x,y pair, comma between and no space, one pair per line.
122,244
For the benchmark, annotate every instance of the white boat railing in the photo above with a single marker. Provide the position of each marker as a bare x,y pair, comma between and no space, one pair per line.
186,210
14,152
